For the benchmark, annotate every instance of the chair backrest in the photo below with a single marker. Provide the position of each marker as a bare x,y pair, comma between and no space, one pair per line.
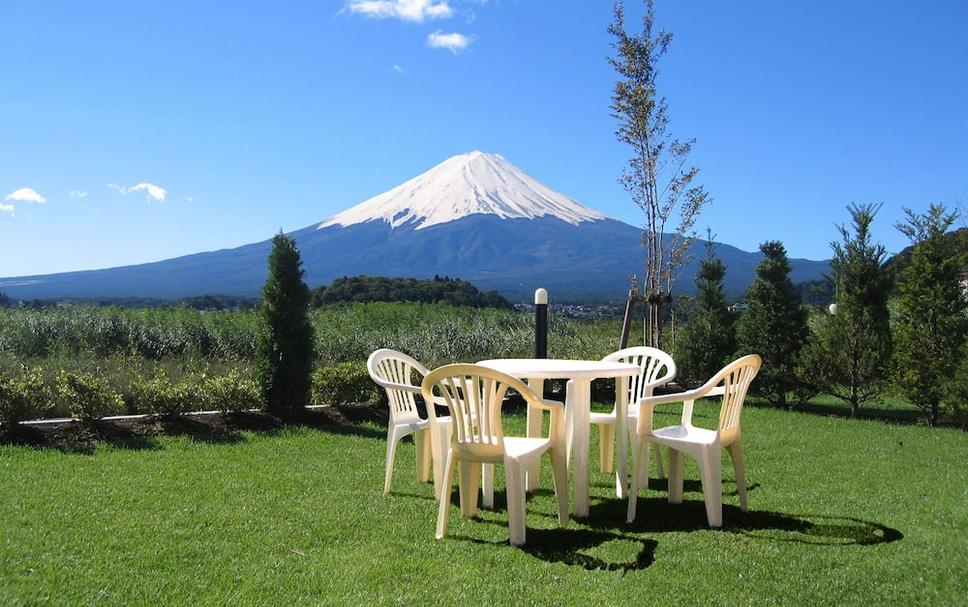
474,395
733,381
655,369
389,369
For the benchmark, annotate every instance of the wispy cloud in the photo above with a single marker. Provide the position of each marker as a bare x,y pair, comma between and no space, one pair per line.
152,191
454,42
76,195
8,208
25,195
407,10
397,68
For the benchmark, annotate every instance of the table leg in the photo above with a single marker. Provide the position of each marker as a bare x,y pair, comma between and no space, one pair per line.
535,419
579,401
621,437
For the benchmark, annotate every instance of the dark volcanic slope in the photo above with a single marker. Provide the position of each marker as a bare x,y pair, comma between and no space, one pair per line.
590,261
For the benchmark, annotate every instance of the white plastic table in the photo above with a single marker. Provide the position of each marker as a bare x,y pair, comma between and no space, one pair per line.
580,374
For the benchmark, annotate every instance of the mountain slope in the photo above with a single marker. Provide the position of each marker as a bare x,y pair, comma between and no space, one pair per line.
474,217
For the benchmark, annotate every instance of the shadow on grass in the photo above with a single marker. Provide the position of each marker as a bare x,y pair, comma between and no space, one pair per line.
577,547
219,429
891,415
657,515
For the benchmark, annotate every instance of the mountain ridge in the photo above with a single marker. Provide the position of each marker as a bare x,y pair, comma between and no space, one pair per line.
527,236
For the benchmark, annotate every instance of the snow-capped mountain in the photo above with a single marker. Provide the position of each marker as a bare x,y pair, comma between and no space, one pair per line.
474,216
476,183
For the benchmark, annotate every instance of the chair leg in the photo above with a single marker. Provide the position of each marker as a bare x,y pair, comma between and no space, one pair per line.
440,447
710,471
606,447
514,477
559,469
392,439
739,469
487,486
421,440
446,487
675,476
469,484
637,449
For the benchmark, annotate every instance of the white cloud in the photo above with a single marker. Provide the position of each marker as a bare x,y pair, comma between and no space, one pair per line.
397,68
453,41
75,195
407,10
7,208
152,191
25,195
189,199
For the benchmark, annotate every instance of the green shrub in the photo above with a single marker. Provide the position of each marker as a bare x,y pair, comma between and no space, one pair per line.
344,383
23,397
87,396
231,392
284,351
163,396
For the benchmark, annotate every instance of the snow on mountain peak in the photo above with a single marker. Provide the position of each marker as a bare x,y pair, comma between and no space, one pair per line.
467,184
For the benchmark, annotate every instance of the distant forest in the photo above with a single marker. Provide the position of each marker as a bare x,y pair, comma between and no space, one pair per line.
380,288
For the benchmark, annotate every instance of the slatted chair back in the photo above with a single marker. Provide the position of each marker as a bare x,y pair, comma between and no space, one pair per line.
733,382
400,376
474,396
655,369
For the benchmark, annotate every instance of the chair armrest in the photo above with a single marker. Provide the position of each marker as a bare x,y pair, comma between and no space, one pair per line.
549,405
405,387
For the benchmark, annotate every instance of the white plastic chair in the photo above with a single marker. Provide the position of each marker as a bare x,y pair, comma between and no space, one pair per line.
474,395
704,445
394,372
657,369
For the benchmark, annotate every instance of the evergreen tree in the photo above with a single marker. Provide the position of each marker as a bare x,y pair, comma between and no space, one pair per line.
707,341
848,353
774,326
930,326
284,352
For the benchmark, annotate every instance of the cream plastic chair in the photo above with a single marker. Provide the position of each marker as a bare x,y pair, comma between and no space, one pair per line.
474,395
394,372
704,445
657,369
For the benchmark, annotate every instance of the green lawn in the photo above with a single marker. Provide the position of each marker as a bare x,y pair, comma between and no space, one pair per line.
842,512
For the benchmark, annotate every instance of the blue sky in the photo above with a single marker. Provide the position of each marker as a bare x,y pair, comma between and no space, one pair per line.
253,116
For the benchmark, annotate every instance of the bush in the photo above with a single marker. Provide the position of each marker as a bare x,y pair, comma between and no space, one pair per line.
88,397
23,397
284,350
231,392
162,396
344,383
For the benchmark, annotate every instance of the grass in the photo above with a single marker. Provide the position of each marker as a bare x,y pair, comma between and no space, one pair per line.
842,512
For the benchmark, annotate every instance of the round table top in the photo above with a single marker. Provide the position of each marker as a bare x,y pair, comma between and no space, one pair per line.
553,368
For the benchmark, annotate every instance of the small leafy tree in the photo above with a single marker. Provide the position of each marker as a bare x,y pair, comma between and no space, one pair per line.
284,351
657,176
774,326
930,326
708,339
848,352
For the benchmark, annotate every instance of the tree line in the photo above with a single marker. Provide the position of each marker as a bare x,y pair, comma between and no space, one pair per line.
442,290
858,349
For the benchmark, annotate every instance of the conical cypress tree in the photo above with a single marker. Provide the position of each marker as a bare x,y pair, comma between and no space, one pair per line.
707,341
775,325
930,324
284,352
848,353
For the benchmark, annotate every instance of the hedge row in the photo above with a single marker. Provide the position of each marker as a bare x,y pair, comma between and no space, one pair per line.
30,393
